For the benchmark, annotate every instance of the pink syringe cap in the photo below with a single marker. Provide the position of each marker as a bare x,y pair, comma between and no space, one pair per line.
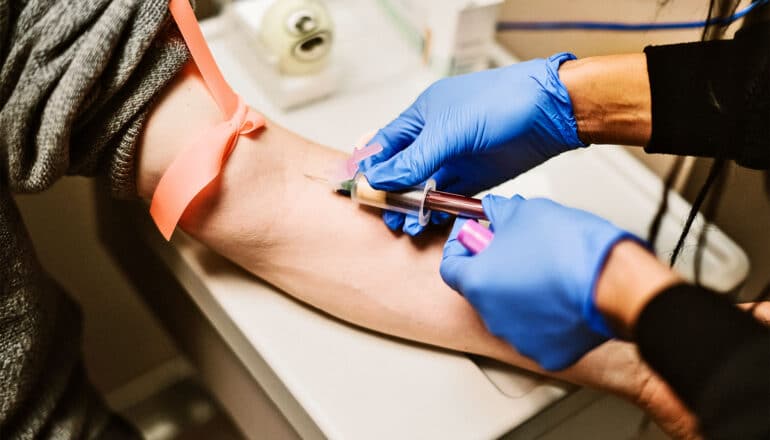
474,237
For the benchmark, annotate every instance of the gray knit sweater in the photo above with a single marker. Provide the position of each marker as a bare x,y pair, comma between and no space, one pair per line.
76,81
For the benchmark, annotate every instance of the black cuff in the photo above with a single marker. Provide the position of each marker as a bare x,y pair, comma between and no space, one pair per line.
687,333
736,401
695,98
712,99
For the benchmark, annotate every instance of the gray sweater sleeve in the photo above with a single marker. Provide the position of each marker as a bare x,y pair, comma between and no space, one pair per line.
76,82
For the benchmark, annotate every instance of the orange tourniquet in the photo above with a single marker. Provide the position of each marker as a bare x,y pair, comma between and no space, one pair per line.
200,163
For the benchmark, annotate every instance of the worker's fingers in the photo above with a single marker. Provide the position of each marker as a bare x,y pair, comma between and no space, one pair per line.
455,259
467,175
413,165
499,209
409,223
412,225
454,180
760,310
394,220
668,411
439,218
762,313
394,137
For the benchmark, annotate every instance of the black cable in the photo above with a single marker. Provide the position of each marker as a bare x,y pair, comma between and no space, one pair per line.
724,9
716,168
657,220
709,214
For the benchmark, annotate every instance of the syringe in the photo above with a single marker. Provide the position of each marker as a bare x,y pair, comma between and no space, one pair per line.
419,201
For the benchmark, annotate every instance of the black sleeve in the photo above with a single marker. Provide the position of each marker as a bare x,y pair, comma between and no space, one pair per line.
712,98
715,356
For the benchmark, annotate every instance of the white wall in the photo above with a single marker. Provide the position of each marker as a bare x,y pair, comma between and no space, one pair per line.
529,44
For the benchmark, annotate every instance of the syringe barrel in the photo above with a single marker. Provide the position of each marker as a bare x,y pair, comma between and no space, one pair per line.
455,204
409,201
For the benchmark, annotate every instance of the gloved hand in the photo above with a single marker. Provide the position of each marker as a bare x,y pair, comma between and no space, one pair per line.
534,284
475,131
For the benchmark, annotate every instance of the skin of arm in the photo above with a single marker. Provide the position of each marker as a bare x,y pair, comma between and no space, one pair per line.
611,98
631,277
266,216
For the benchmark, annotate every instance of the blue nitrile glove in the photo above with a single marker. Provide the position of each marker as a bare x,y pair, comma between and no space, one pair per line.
533,286
475,131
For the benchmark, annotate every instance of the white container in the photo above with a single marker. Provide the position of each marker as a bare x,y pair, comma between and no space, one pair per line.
288,45
454,36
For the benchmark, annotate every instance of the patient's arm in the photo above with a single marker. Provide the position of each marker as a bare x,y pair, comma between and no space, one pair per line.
267,217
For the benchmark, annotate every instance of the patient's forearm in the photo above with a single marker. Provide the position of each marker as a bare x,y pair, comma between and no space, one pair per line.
267,217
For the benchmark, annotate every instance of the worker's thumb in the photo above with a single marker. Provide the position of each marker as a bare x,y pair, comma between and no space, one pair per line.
455,258
501,210
415,164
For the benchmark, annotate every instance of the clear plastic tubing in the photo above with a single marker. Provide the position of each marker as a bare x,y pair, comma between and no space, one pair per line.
419,201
